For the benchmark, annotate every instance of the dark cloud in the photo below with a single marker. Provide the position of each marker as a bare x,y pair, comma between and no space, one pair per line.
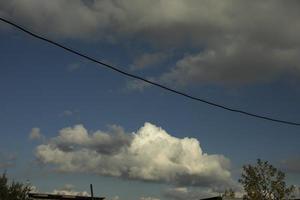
233,42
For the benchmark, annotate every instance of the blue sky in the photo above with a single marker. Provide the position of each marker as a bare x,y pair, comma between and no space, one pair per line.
45,87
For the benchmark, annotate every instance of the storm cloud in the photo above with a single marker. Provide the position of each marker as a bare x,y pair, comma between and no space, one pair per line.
150,154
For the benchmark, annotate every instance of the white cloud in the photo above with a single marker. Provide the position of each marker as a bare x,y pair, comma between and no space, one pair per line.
33,189
150,154
149,198
183,193
35,134
69,189
192,193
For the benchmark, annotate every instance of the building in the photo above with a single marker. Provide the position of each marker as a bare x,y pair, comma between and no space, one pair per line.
39,196
222,198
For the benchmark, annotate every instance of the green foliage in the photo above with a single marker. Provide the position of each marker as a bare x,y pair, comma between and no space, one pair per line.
13,191
229,193
264,182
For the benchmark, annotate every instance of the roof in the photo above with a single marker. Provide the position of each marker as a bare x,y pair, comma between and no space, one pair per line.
221,198
38,196
213,198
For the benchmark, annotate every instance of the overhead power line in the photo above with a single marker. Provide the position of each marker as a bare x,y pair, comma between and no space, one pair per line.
123,72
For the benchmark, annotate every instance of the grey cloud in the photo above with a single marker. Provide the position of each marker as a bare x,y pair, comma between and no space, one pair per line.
71,19
69,113
237,42
150,154
71,139
7,160
138,85
74,66
291,165
113,142
238,63
148,60
35,134
205,22
115,197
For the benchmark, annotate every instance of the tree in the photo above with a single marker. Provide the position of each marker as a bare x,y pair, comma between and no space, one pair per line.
228,193
264,182
13,191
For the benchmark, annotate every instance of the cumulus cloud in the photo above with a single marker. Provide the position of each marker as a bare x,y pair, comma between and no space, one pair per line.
233,42
35,134
150,154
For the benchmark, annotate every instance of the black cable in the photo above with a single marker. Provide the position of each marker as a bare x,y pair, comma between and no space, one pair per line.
145,80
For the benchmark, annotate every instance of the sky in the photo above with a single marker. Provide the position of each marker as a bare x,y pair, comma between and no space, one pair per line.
66,122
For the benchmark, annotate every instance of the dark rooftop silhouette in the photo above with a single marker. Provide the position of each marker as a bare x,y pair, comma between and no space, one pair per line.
36,196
